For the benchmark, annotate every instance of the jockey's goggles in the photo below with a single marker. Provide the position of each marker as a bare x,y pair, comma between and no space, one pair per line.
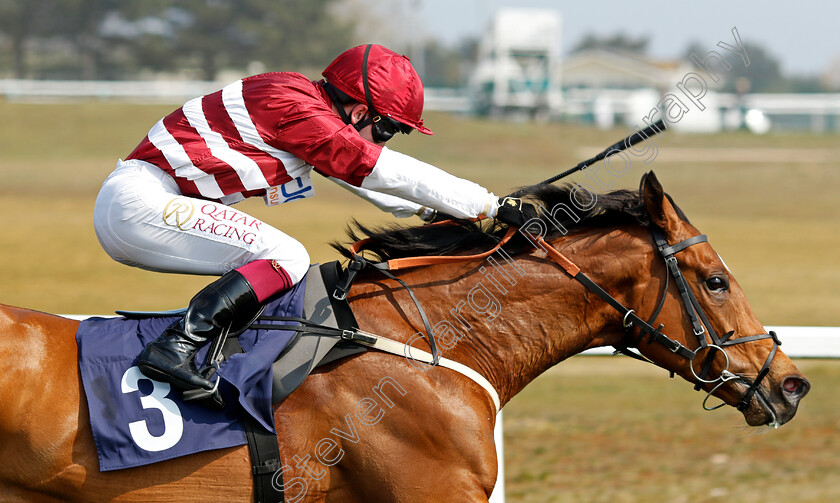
384,128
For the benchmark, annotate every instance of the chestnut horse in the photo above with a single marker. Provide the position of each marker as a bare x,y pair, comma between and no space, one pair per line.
379,427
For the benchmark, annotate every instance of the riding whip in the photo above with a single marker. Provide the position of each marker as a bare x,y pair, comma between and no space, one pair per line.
626,143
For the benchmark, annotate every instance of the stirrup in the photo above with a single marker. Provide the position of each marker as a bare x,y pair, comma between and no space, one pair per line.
208,397
215,356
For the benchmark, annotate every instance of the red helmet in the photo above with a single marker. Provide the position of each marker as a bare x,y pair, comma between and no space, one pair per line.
383,79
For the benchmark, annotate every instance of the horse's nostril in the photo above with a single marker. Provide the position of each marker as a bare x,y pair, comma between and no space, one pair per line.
796,386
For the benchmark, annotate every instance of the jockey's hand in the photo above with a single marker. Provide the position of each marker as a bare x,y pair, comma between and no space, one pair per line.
515,212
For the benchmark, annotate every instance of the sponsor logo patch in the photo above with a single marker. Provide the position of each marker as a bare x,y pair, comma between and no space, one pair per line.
178,212
299,188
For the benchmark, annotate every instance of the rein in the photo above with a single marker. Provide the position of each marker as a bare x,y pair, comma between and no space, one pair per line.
357,263
699,321
307,327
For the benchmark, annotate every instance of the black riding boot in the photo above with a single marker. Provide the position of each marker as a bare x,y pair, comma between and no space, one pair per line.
229,303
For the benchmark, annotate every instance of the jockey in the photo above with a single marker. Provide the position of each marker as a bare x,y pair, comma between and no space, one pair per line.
167,207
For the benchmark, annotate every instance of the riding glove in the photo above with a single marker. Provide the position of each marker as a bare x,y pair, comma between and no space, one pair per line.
515,212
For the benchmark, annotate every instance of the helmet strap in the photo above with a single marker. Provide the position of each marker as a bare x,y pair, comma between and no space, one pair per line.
339,105
364,122
365,84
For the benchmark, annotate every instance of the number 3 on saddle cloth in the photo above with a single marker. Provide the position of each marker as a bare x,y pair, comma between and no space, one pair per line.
138,421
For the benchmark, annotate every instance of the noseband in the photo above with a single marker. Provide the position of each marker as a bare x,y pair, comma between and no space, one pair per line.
699,322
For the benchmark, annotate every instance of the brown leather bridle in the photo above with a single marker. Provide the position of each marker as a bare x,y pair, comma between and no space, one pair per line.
630,320
699,322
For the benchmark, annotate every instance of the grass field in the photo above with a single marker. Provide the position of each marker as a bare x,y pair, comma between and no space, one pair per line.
608,429
593,429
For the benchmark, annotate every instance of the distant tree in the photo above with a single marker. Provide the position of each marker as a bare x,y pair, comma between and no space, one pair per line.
213,34
111,38
21,21
293,34
468,49
207,32
442,66
804,84
618,42
447,66
73,31
79,22
146,30
762,75
830,78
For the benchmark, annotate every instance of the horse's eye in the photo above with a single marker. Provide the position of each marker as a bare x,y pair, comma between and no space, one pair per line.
717,283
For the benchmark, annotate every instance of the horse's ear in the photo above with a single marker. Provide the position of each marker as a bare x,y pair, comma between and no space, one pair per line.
660,210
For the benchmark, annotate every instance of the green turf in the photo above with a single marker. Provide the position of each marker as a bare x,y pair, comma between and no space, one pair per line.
610,429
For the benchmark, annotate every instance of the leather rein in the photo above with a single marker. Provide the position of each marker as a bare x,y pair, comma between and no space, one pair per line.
699,321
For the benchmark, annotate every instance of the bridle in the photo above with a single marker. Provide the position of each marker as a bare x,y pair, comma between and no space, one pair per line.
630,320
699,322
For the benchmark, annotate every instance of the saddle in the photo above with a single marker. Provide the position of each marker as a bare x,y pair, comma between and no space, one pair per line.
315,350
318,342
312,348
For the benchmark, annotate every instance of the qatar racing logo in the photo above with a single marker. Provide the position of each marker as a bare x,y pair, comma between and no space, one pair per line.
178,212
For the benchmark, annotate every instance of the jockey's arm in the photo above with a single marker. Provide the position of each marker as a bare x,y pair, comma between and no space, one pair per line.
408,178
313,132
398,207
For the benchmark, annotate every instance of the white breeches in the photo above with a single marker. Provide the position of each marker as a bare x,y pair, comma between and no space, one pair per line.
142,220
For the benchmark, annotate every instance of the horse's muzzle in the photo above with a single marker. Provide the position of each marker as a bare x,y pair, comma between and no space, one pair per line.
778,404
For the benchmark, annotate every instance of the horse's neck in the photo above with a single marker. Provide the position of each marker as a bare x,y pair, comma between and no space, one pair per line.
542,315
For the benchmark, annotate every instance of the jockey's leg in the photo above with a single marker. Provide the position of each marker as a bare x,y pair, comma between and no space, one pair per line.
229,304
142,220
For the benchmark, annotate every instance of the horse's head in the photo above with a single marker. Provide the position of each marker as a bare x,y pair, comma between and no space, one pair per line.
725,350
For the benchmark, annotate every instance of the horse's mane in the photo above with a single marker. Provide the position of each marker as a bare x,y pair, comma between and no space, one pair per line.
616,208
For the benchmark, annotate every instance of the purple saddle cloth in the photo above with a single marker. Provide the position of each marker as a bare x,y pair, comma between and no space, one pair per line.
138,421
